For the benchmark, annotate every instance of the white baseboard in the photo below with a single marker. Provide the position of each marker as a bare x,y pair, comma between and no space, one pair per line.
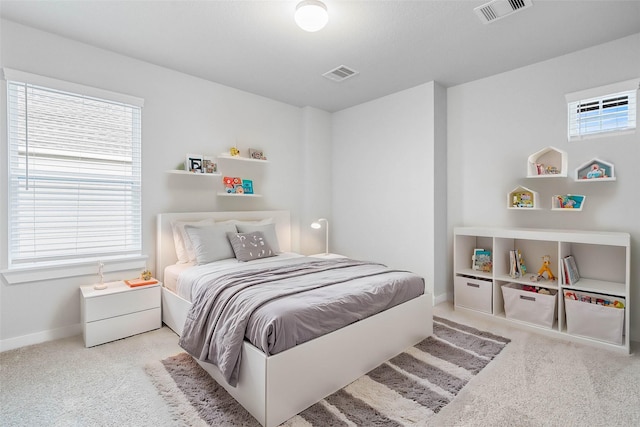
40,337
442,298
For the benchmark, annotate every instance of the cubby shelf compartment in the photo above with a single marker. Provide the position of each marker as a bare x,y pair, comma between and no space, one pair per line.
568,202
523,198
549,162
603,259
595,170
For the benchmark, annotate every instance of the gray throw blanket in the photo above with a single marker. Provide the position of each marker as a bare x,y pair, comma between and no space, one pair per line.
217,321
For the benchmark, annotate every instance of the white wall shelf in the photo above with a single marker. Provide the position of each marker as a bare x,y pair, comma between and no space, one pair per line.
603,259
549,162
523,198
183,172
239,158
595,170
568,202
223,194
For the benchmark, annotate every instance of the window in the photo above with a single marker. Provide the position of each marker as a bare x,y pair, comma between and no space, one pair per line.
74,172
611,111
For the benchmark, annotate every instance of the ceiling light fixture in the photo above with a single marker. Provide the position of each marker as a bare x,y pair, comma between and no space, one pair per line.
311,15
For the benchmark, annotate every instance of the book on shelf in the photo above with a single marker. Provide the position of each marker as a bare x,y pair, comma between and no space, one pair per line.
133,283
481,260
571,274
517,268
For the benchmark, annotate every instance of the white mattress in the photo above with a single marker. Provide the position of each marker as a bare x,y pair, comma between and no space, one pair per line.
171,274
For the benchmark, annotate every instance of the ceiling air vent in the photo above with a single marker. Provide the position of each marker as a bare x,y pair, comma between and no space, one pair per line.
340,74
498,9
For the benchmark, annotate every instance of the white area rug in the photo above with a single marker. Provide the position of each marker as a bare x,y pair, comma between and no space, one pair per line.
405,391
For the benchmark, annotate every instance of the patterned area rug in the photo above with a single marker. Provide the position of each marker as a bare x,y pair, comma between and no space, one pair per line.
404,391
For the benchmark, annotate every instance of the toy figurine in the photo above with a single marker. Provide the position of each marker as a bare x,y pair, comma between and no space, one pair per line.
546,260
234,151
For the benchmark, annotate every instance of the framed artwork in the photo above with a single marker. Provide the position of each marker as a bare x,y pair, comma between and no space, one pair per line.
247,186
256,154
194,163
209,165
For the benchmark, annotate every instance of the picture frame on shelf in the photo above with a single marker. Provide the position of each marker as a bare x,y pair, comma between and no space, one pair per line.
194,163
256,154
247,186
231,184
209,165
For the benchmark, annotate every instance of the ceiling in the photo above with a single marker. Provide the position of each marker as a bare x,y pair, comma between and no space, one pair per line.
255,46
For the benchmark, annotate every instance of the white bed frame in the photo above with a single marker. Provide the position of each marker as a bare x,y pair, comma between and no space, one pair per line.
275,388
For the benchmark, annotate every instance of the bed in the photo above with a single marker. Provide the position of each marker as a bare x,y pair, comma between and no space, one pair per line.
276,387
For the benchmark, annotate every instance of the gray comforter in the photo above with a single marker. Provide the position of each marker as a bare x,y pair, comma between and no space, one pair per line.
284,303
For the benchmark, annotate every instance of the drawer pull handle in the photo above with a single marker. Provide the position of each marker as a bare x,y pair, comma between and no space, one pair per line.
528,298
473,285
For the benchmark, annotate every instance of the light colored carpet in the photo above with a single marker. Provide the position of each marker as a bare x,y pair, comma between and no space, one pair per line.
534,381
407,390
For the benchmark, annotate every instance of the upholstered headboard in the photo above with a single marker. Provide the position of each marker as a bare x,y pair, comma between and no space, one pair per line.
165,248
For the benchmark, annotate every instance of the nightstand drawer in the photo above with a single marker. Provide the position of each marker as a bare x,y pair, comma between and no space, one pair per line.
114,328
118,304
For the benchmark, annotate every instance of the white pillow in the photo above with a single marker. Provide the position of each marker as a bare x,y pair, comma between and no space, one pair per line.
267,229
184,248
210,242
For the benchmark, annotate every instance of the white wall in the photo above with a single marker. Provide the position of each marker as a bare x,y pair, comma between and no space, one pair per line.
316,175
494,124
181,114
385,201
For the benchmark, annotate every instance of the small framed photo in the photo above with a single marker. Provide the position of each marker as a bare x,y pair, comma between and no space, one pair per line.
256,154
209,165
194,163
247,186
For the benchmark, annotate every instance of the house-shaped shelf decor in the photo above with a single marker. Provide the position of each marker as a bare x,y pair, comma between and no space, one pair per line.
522,198
568,202
547,163
595,170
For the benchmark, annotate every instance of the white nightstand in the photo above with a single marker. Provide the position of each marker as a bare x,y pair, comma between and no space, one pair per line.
118,311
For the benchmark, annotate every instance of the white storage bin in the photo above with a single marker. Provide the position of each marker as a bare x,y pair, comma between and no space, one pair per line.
594,321
529,306
473,293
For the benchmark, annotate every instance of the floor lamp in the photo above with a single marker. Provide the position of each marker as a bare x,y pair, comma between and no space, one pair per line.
317,225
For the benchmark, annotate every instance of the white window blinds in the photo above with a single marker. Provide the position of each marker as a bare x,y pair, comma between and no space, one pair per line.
613,110
74,175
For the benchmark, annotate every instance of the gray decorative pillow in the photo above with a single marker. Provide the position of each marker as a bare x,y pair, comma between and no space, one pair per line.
250,246
269,231
210,242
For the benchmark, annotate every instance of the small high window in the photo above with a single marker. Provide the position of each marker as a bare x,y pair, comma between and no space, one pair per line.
608,113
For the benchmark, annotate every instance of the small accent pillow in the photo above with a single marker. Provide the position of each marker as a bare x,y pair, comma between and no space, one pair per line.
269,231
250,246
210,242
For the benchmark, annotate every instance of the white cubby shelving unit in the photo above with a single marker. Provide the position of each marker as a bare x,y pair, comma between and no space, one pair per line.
523,198
603,260
550,162
595,170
